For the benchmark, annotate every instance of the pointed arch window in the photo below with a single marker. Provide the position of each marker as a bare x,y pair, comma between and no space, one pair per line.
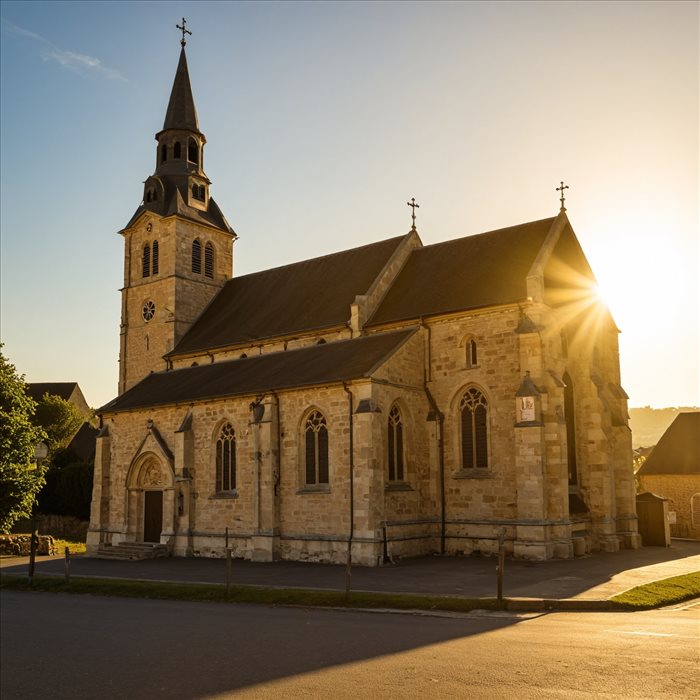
177,150
316,444
472,353
473,410
146,261
226,459
196,257
192,151
163,153
154,258
395,442
209,260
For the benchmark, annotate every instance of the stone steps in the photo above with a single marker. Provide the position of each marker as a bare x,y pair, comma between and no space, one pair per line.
132,550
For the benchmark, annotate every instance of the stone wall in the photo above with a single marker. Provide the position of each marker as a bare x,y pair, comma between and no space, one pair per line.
679,489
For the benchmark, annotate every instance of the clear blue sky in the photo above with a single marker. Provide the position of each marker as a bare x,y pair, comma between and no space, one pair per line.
322,119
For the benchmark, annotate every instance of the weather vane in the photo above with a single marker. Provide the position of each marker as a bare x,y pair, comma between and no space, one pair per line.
561,199
184,31
413,206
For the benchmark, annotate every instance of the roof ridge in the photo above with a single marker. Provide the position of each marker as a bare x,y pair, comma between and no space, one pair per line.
319,257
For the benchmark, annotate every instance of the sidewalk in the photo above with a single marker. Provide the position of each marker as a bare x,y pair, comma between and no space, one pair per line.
593,578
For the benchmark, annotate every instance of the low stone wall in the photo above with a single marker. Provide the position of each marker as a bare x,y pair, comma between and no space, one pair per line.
19,545
63,527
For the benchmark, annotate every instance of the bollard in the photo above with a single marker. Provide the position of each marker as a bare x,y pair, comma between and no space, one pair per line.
226,539
67,555
228,570
33,543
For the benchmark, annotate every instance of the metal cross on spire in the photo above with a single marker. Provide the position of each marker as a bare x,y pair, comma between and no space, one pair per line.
561,199
184,31
413,206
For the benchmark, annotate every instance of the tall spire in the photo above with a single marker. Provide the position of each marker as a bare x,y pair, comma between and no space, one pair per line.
181,112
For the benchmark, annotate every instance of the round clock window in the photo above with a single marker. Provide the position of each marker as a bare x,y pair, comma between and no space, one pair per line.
148,311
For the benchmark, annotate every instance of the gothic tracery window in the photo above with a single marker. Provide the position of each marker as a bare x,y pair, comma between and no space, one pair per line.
146,261
395,442
209,260
474,429
226,459
196,257
316,444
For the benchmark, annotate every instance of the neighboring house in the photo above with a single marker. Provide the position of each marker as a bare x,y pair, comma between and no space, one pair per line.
394,399
68,391
672,470
82,444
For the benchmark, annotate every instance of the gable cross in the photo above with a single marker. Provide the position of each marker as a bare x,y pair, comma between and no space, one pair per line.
184,31
413,206
561,199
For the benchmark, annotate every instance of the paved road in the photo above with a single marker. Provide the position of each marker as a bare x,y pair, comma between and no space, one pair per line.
63,646
596,577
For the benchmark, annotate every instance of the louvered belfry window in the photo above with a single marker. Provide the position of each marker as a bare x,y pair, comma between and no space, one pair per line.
474,419
226,459
395,445
196,257
209,260
146,261
316,438
155,258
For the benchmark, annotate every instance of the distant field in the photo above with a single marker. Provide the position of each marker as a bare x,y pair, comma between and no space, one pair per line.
649,424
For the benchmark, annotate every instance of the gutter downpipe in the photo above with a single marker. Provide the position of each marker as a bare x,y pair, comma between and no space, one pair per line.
439,419
348,568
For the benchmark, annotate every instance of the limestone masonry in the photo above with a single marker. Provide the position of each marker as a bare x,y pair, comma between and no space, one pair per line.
390,400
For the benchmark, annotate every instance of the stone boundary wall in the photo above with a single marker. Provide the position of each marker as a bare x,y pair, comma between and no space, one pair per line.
19,545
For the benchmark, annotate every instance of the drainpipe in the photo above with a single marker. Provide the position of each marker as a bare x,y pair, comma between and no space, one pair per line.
440,424
348,569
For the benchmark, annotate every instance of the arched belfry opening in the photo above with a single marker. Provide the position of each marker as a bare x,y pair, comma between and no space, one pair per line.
570,417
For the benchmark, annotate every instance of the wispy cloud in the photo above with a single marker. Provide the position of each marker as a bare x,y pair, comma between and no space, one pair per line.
78,62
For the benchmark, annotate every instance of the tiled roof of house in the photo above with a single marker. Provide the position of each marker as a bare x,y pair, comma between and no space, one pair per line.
328,363
466,273
678,450
304,296
63,389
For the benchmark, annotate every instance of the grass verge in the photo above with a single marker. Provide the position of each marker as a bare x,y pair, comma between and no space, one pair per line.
243,594
659,593
73,547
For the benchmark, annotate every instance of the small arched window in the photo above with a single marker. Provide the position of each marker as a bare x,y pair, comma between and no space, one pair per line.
177,150
148,345
395,445
163,153
149,195
472,355
226,459
155,258
146,261
316,443
192,151
473,410
209,260
196,257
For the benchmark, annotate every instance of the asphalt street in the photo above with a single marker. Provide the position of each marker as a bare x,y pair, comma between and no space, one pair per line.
64,646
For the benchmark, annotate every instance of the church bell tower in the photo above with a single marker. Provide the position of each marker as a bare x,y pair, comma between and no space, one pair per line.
178,246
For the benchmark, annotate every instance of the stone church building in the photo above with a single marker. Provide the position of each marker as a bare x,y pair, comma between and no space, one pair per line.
391,400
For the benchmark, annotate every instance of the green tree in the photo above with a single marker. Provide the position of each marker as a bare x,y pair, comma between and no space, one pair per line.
20,477
59,418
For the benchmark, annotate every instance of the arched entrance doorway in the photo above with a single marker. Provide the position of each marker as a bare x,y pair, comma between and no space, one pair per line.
150,494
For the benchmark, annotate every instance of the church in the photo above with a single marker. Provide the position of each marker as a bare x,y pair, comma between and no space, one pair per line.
391,400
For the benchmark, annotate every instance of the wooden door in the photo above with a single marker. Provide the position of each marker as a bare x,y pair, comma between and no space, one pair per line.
152,516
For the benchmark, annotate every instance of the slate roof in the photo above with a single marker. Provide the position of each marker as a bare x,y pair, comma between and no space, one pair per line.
83,442
63,389
316,365
678,450
304,296
181,112
466,273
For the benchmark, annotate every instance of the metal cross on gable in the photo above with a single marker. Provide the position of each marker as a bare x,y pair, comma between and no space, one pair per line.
413,206
184,31
561,199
